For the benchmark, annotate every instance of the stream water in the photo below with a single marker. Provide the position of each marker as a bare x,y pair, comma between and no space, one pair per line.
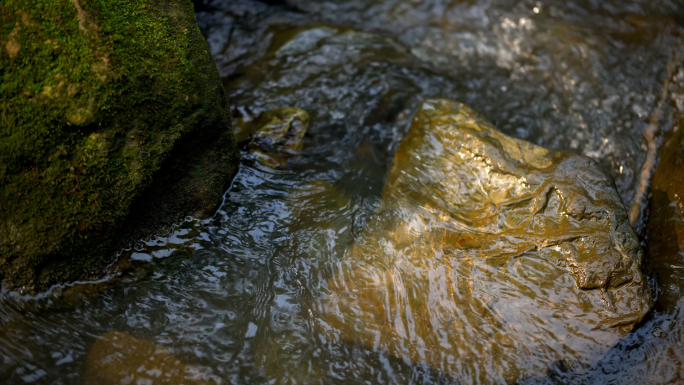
238,296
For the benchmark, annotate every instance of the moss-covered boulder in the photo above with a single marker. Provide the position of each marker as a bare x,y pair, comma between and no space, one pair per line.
113,122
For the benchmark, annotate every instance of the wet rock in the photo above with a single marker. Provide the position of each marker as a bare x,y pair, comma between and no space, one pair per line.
276,134
560,76
665,228
354,85
115,124
489,258
120,358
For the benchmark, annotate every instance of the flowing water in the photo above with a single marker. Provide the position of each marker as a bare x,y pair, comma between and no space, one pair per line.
240,297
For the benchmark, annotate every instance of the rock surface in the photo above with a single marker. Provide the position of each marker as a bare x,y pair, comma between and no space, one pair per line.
120,358
275,135
489,255
666,223
114,123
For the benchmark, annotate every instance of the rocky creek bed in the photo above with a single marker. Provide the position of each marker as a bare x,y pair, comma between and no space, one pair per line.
352,248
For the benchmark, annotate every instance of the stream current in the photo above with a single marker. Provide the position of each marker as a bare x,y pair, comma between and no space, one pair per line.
238,296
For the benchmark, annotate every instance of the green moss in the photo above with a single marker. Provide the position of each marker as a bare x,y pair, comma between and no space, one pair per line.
94,96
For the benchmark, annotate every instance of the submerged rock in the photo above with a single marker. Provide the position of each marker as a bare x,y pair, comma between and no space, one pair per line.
120,358
114,124
666,224
275,135
489,258
354,85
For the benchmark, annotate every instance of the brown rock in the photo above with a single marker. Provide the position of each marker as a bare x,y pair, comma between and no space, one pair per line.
665,228
119,358
275,135
489,258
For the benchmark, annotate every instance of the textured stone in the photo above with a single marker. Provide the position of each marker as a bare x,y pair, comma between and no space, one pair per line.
277,135
489,257
114,123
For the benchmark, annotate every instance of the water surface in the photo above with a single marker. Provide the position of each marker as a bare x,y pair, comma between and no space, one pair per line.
239,296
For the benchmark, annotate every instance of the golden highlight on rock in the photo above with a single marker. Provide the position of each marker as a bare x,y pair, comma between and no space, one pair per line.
489,255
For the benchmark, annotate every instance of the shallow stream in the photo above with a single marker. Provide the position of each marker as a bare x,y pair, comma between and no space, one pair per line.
238,296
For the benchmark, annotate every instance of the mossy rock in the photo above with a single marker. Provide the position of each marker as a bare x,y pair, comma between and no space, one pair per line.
113,123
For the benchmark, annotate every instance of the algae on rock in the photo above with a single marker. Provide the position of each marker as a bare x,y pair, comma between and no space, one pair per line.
103,106
489,255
